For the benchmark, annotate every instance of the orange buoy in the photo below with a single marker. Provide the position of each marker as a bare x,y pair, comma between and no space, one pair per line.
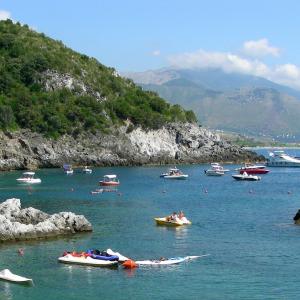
129,264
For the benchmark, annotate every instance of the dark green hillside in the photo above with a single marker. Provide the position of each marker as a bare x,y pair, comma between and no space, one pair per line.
49,88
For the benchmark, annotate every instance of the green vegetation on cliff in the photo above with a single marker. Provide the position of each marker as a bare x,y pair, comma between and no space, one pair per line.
49,88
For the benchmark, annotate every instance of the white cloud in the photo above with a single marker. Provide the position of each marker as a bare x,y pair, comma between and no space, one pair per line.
156,53
4,15
228,62
260,48
287,74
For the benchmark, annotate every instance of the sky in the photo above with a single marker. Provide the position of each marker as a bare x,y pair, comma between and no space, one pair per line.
244,36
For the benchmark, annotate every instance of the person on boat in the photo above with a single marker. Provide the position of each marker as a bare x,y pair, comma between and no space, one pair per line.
174,217
181,215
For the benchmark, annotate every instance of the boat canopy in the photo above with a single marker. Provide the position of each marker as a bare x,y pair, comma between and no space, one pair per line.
29,173
67,167
110,176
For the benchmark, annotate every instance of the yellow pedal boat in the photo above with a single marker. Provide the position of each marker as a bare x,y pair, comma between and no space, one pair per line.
166,222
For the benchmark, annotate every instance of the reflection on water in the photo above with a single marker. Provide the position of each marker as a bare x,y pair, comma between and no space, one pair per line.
5,291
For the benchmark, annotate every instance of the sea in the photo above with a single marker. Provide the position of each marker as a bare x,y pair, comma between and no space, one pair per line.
246,228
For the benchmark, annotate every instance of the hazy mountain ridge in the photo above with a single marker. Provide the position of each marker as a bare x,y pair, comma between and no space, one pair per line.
235,102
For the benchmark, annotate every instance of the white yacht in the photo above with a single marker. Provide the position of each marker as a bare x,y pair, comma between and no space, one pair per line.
280,159
28,177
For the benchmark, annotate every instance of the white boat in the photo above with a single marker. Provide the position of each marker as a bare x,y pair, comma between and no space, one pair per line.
86,260
174,173
280,159
86,170
246,176
68,169
217,166
168,261
178,222
214,172
28,177
9,276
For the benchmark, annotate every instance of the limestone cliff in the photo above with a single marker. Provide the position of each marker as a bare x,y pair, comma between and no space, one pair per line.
173,143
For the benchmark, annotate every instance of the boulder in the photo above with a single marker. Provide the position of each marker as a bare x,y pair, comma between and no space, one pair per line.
30,223
297,218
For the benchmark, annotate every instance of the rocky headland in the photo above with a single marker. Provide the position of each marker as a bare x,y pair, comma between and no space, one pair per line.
125,145
18,224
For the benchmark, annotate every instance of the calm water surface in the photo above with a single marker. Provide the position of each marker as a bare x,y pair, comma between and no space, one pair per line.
246,227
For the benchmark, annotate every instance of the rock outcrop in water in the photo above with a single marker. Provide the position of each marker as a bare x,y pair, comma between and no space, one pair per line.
173,143
24,224
297,218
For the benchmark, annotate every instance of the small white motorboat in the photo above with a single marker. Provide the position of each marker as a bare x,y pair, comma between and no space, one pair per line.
214,172
246,176
86,260
174,173
86,170
9,276
218,167
68,169
28,177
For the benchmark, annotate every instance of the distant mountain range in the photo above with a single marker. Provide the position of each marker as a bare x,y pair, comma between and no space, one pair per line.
232,102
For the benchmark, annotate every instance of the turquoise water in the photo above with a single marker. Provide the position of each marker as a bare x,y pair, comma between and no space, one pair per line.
246,227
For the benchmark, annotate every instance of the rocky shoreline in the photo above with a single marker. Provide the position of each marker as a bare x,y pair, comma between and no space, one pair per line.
18,224
174,143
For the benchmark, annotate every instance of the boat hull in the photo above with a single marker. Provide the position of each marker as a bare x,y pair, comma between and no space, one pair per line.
87,261
8,276
254,171
246,178
29,181
214,173
109,183
164,222
178,177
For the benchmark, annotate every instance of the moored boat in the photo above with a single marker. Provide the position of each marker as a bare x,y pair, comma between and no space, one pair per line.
214,172
246,176
279,158
68,169
28,177
174,173
109,180
217,166
87,170
7,275
253,169
167,222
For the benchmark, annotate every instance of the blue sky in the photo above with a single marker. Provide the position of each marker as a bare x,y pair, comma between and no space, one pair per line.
253,37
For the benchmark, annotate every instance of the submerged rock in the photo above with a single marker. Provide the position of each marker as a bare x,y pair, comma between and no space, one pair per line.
30,223
172,144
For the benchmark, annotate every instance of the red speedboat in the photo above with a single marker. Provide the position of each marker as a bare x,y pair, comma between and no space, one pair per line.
254,169
109,180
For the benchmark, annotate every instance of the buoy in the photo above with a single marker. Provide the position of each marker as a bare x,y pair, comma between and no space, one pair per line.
129,264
